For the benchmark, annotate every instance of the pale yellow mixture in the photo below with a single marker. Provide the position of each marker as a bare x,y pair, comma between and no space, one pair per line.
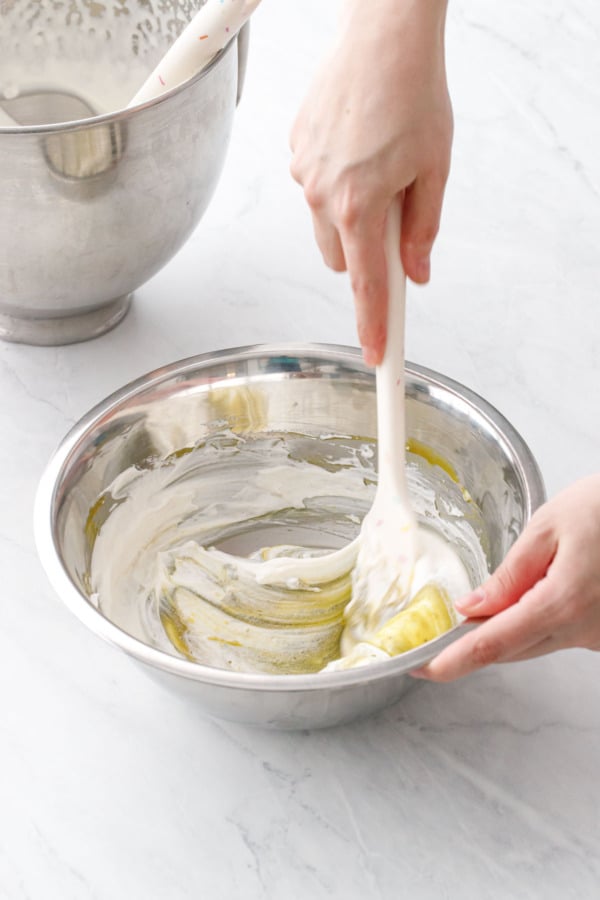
191,557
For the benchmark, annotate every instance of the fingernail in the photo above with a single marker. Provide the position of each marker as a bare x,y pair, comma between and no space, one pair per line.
470,603
423,269
419,673
370,356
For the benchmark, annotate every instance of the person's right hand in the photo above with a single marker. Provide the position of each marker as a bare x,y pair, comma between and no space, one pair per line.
377,123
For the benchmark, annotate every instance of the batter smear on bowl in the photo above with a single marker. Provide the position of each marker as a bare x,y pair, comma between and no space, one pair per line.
238,553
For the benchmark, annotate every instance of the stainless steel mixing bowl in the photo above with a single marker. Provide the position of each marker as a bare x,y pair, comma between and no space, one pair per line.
314,390
90,209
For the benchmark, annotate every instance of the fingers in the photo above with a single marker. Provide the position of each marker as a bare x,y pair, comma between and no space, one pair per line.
526,563
364,253
502,638
358,245
350,236
329,243
547,645
553,571
518,597
421,214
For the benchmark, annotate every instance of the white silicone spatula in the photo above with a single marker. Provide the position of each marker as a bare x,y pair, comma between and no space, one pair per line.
384,567
213,26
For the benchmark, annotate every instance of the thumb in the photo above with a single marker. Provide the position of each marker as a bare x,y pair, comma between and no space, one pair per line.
526,563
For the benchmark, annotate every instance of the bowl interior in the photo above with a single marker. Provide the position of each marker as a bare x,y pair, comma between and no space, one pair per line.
67,62
475,470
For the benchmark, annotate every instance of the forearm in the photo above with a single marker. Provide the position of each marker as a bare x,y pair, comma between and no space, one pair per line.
405,40
376,124
426,19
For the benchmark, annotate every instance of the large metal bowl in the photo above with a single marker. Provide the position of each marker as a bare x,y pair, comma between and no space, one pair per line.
311,389
94,205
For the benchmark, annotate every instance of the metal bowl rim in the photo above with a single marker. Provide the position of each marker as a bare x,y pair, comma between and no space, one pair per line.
119,115
80,606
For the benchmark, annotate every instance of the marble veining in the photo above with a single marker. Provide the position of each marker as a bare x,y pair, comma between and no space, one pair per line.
485,789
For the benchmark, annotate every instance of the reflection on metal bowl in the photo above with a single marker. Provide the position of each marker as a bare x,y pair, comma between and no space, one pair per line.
458,444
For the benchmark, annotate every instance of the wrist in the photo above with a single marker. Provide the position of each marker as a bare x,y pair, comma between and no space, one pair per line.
431,12
425,19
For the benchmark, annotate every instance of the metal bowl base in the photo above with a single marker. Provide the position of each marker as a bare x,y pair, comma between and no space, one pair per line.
51,331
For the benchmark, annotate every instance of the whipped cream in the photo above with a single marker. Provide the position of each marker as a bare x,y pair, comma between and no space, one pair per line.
189,557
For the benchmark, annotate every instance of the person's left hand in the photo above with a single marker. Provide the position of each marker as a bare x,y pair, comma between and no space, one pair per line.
545,596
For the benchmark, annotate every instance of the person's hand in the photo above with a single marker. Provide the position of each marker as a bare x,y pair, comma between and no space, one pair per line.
545,596
377,123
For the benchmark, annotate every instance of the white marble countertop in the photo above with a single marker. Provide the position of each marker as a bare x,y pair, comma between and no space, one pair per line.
486,788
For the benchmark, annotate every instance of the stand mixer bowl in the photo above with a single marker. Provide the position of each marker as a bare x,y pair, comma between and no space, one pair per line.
96,201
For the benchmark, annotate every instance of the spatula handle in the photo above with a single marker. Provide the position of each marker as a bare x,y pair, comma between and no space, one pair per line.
391,429
213,26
